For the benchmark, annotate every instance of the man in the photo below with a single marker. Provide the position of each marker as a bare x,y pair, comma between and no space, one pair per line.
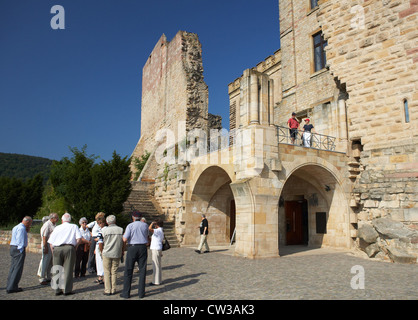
293,126
136,238
18,245
64,240
46,260
112,250
204,230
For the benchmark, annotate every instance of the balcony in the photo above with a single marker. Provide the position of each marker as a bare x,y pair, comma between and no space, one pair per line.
316,141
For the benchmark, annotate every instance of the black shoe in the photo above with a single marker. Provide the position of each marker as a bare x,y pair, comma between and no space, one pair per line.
207,251
197,251
69,294
59,293
106,293
14,291
123,296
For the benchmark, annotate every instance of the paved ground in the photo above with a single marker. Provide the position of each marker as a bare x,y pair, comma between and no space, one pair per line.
307,274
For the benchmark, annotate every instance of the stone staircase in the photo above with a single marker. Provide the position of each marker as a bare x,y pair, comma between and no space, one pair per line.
140,200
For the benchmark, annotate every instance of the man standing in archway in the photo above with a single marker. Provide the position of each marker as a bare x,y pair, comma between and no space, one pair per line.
204,230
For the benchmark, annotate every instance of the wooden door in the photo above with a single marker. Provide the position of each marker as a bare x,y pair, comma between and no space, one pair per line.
293,212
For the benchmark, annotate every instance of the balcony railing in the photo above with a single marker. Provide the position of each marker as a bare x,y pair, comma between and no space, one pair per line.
316,141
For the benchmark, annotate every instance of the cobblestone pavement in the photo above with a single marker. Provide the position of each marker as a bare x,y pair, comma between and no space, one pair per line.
322,274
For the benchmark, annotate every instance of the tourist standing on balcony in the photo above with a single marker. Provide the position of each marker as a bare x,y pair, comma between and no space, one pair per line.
18,246
307,129
293,125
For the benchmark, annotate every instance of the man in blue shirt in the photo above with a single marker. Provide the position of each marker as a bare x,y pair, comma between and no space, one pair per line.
18,245
136,238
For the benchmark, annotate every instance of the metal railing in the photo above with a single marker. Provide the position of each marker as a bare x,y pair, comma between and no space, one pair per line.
316,141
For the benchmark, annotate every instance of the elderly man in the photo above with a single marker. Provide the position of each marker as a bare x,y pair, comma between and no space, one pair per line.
18,246
111,249
136,237
64,240
46,260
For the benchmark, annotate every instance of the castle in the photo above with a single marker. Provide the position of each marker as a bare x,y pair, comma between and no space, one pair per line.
350,67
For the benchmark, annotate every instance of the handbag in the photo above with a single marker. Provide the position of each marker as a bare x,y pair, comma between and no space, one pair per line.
166,244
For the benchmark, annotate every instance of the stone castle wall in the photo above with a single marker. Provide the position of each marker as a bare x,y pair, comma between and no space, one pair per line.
372,49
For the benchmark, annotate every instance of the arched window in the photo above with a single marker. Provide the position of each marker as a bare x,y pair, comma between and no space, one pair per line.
405,106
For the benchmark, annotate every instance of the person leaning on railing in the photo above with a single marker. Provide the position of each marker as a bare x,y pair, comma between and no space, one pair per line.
307,131
293,125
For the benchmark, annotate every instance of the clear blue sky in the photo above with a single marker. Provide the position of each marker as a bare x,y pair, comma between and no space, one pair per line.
82,85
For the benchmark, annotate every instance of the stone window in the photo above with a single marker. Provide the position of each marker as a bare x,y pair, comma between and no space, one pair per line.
314,4
406,109
320,59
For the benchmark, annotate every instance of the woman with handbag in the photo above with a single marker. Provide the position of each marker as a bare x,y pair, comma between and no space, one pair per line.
156,247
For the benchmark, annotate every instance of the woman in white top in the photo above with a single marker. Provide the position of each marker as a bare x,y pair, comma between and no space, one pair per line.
156,247
99,260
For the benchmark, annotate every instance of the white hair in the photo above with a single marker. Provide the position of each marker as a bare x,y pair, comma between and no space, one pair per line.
111,219
66,217
82,220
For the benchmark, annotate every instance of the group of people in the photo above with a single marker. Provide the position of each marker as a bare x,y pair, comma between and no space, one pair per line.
307,130
67,249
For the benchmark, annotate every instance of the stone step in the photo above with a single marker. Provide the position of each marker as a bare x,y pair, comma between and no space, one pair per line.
140,200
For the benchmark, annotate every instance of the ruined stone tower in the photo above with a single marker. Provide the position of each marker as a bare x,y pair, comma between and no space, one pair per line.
173,91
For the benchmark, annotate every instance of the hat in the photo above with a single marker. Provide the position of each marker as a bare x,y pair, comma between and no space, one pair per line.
136,214
293,114
307,119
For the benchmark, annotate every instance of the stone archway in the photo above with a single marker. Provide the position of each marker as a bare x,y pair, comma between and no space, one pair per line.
211,195
318,208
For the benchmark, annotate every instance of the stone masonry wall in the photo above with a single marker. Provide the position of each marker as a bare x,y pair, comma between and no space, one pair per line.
373,49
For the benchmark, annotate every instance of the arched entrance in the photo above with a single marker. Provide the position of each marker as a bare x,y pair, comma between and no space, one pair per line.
212,196
313,210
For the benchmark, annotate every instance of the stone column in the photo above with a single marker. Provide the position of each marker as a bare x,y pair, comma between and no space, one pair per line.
254,113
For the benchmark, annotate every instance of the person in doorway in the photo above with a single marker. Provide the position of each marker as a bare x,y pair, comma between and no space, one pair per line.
18,245
293,126
307,132
204,231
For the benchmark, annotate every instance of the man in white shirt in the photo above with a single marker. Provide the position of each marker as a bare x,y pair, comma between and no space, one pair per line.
64,240
46,261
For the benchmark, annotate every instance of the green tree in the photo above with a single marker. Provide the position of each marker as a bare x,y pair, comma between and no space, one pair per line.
19,198
88,187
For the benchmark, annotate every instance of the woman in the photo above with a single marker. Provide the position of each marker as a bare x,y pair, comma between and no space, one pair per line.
99,261
94,229
82,253
156,247
307,129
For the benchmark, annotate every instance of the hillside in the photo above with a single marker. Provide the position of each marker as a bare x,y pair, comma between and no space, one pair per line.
23,166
